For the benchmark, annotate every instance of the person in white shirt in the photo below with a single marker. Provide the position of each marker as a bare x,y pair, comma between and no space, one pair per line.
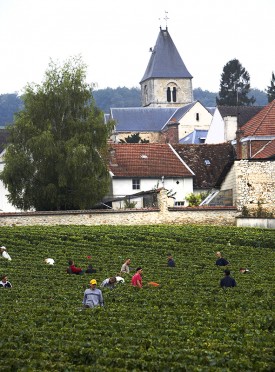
49,261
4,253
111,282
4,282
125,268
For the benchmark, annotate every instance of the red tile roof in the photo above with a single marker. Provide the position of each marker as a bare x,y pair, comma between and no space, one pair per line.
263,123
146,160
267,151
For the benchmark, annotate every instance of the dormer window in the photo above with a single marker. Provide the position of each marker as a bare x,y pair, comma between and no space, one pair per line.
207,162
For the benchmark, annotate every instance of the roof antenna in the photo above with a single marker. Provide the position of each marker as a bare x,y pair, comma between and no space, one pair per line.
165,19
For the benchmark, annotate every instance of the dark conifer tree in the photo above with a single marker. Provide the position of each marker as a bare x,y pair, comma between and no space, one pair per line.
271,89
234,86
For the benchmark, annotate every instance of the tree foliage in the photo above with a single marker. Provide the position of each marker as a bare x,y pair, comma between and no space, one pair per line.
234,86
271,89
56,159
134,138
9,105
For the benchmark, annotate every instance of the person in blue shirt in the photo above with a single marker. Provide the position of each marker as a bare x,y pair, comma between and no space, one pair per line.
227,281
170,261
93,296
221,261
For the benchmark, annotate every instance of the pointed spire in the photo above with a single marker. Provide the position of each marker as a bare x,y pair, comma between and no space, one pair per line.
165,61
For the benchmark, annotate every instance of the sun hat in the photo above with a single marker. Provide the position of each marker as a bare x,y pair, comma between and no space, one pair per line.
3,247
93,281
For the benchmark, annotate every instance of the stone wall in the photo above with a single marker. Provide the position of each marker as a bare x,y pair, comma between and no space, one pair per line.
255,184
224,216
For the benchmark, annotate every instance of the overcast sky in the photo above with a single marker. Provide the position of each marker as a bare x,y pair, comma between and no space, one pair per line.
114,36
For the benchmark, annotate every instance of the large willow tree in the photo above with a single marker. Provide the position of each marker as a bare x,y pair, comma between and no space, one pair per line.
56,157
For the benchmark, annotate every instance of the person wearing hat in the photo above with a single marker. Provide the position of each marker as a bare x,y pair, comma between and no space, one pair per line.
4,253
227,281
137,278
93,296
4,282
221,261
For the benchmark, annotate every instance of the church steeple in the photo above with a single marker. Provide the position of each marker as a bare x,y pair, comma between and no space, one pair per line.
166,81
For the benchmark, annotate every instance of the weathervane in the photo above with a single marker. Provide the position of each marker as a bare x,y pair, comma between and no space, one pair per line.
165,18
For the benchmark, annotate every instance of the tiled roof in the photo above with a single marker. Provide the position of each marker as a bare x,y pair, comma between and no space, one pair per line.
3,139
165,60
146,160
245,113
141,119
208,162
146,119
267,151
262,124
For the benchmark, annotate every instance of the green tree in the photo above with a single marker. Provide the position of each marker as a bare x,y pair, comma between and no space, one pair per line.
234,86
271,89
56,158
134,138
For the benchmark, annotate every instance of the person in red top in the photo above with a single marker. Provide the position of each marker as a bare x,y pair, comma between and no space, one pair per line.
72,269
137,278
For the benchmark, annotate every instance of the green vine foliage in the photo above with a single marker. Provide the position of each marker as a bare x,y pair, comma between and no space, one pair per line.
188,323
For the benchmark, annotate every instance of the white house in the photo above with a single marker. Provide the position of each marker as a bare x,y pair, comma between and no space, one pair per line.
137,167
224,123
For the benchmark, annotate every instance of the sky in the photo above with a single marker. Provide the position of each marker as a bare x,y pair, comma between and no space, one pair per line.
113,37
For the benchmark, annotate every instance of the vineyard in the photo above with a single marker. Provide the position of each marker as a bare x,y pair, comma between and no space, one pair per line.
188,323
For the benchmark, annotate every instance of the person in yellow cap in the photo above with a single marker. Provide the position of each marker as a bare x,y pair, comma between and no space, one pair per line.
93,296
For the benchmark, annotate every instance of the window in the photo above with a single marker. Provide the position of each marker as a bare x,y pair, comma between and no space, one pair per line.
207,162
168,94
136,184
197,116
174,94
179,203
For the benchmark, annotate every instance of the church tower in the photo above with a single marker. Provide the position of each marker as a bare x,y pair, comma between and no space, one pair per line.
166,82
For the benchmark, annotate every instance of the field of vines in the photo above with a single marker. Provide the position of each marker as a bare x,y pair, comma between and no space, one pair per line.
188,323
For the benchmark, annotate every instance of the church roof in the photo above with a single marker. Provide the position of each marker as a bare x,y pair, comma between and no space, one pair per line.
146,119
139,119
165,61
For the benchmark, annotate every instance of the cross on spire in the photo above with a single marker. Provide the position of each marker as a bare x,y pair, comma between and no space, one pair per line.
165,18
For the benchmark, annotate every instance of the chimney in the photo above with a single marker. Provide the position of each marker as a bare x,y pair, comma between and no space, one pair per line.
112,157
171,132
239,152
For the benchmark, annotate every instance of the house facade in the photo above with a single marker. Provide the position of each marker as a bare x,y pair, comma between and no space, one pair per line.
227,120
139,167
251,178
